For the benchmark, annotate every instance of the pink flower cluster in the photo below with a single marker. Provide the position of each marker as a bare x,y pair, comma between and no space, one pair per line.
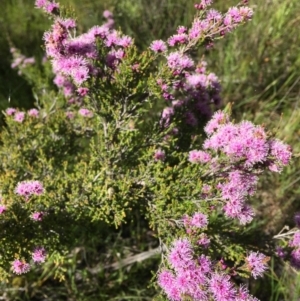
257,263
19,116
245,141
198,156
226,22
243,150
210,25
235,191
192,91
20,61
198,220
197,278
73,57
191,94
21,266
28,188
49,6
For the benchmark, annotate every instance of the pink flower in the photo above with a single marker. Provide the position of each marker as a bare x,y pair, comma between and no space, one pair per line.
257,262
28,61
86,113
204,241
199,220
82,91
296,240
181,38
68,23
28,188
198,156
295,258
213,15
158,46
203,4
181,29
181,254
52,7
20,267
159,155
10,111
38,216
125,41
197,80
206,188
40,3
19,116
2,209
39,255
243,294
281,151
107,14
222,288
33,113
166,116
217,119
80,75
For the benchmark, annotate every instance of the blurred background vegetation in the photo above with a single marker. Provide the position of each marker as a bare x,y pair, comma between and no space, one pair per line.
258,66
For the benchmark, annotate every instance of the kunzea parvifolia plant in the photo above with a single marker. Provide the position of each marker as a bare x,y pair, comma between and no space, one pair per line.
117,130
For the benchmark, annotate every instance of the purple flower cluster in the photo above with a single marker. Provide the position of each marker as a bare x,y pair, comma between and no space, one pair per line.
197,278
28,188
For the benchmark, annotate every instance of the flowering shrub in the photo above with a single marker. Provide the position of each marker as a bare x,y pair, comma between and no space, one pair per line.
122,132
